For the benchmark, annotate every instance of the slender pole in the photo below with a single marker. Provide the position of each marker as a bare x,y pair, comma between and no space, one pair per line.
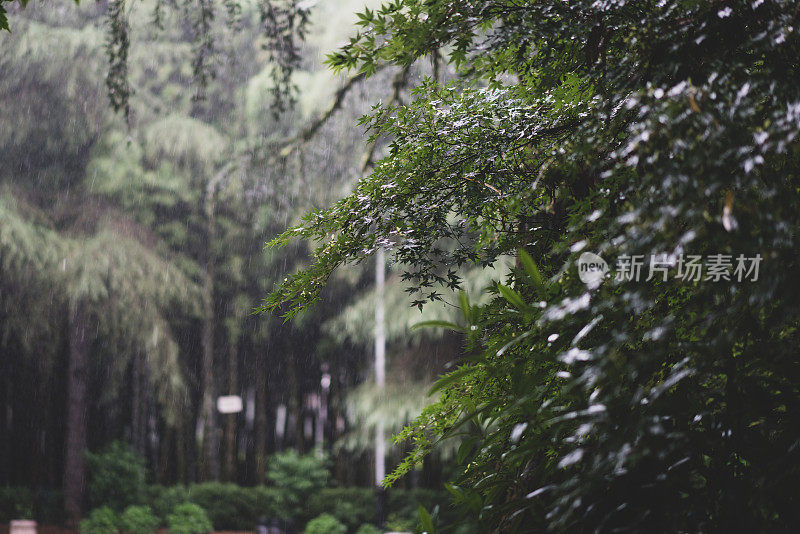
380,380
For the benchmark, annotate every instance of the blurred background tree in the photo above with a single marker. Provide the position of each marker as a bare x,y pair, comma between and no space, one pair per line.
131,246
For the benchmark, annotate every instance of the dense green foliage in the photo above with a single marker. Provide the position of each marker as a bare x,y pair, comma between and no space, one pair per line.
632,130
116,477
138,520
366,528
325,524
298,477
21,503
231,507
189,518
101,520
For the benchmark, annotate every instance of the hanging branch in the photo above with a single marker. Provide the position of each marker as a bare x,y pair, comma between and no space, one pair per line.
204,70
285,24
117,48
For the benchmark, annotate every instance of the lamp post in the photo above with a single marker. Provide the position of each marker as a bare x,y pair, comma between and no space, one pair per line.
380,381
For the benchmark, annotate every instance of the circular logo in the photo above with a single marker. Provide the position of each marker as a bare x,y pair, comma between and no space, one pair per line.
592,269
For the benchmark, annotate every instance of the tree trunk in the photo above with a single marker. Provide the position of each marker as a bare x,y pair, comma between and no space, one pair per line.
208,458
77,378
180,451
207,463
261,423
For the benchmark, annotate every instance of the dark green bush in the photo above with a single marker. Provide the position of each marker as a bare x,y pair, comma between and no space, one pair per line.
45,506
368,528
230,507
138,520
325,524
405,504
163,499
48,506
116,477
15,503
297,477
101,520
189,518
351,506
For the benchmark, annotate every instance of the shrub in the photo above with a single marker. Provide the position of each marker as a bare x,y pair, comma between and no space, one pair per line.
297,477
405,504
400,522
189,518
229,507
351,506
101,520
138,520
116,477
23,503
325,524
367,528
15,503
162,500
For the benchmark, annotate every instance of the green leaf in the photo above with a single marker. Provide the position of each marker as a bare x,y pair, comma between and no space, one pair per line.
439,324
514,298
450,378
466,310
426,521
530,268
3,19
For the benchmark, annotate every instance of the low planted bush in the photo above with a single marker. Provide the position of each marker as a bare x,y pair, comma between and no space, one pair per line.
404,505
367,528
298,478
138,520
101,520
230,507
325,524
188,518
46,506
163,499
15,503
116,477
351,506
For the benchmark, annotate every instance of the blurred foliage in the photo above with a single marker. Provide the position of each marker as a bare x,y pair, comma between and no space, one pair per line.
325,524
232,507
101,520
24,503
138,520
367,528
298,477
189,518
116,477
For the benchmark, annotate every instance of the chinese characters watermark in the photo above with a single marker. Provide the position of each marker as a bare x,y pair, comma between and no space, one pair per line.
690,268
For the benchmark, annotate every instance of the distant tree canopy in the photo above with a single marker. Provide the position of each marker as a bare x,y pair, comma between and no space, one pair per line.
131,256
635,130
283,23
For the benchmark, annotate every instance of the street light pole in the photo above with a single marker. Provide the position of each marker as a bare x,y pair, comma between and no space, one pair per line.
380,381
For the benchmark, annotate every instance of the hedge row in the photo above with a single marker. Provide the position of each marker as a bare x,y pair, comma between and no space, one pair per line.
23,503
232,507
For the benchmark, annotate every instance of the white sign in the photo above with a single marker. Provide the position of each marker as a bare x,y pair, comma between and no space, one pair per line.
229,404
